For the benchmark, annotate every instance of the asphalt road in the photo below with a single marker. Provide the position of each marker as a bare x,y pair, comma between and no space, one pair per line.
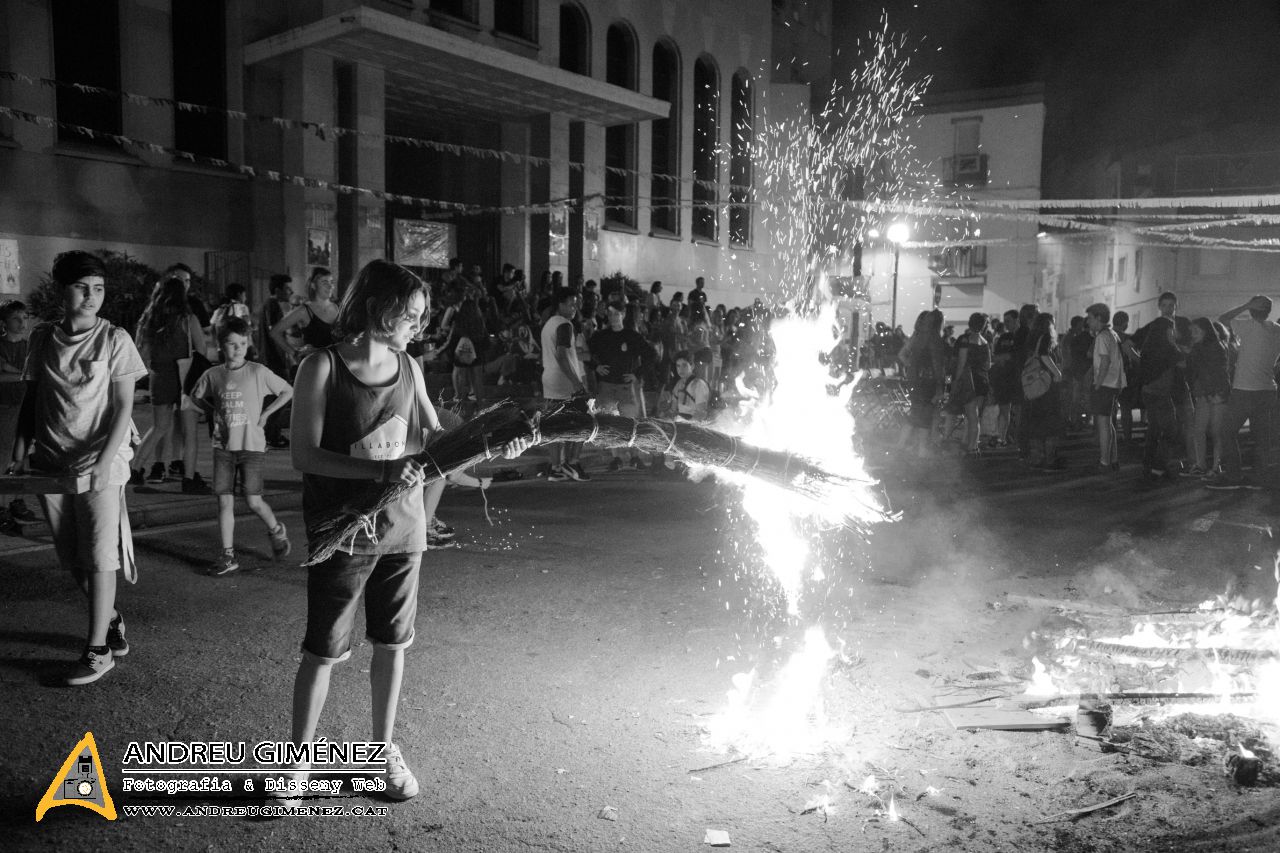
570,656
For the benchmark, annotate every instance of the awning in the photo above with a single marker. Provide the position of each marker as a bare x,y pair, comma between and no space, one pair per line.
433,71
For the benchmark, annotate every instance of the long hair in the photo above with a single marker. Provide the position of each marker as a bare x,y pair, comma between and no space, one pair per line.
1042,326
377,299
1211,335
470,322
168,309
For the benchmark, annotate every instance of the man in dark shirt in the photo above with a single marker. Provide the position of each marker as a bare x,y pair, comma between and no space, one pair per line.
1163,384
621,356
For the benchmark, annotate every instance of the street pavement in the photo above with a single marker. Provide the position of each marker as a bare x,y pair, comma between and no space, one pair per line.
573,650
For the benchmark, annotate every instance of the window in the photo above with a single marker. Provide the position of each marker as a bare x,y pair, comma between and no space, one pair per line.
1120,267
1137,270
706,157
516,18
575,40
665,192
464,9
620,140
740,143
200,77
1111,268
86,49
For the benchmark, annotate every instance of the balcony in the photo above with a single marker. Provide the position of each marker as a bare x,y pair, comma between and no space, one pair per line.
965,170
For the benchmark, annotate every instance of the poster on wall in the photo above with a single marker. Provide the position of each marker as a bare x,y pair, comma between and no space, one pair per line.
319,249
591,233
559,235
9,267
422,243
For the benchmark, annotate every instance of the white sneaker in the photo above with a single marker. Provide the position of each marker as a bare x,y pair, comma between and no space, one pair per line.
559,474
89,668
401,783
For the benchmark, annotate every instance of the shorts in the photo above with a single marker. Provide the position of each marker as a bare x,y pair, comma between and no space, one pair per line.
225,463
1102,401
389,583
617,394
86,529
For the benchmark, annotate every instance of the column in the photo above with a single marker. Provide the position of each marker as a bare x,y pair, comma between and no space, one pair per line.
548,137
513,228
310,214
362,233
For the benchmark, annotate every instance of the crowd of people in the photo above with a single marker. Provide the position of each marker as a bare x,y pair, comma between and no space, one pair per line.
1197,382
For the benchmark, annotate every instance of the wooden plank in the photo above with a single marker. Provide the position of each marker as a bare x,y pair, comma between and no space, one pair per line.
1064,604
1003,719
32,484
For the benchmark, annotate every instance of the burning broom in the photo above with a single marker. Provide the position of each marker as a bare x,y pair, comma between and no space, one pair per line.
484,436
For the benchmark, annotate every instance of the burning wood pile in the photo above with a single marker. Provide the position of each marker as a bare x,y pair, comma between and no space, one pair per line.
1196,686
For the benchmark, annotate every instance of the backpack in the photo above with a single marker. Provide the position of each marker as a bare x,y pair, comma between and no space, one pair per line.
465,351
1036,378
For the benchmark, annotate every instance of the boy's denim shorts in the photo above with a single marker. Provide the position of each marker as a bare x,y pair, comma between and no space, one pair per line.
225,463
389,583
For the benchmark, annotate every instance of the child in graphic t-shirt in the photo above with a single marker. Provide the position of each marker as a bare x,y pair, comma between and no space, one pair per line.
231,394
76,421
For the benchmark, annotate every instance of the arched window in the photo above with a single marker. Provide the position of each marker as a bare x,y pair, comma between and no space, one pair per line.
665,192
740,143
620,140
706,155
575,39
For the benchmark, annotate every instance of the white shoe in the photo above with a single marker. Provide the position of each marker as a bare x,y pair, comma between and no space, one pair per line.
401,783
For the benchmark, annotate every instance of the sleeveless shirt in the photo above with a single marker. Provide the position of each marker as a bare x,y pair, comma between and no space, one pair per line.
317,333
368,422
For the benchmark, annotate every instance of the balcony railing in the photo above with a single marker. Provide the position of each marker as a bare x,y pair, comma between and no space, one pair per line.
965,170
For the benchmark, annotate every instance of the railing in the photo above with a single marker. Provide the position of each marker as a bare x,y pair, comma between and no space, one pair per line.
965,170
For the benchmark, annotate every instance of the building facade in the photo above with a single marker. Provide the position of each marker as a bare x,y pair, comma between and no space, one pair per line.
979,146
582,136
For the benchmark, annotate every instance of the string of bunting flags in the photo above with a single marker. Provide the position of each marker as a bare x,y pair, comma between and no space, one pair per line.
323,131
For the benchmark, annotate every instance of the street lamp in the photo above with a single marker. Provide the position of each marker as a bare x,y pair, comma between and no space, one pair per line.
898,234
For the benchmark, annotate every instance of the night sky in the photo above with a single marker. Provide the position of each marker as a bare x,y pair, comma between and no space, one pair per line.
1117,73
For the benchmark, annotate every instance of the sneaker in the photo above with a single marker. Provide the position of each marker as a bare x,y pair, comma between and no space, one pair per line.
8,526
20,512
1225,483
401,783
280,544
93,664
559,474
195,485
440,529
115,637
1197,471
177,472
435,543
157,473
615,464
137,477
576,471
225,564
638,464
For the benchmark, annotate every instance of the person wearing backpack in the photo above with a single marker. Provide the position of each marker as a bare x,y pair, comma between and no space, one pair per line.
1045,424
468,339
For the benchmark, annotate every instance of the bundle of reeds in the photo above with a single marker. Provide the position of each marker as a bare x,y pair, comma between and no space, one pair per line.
484,437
